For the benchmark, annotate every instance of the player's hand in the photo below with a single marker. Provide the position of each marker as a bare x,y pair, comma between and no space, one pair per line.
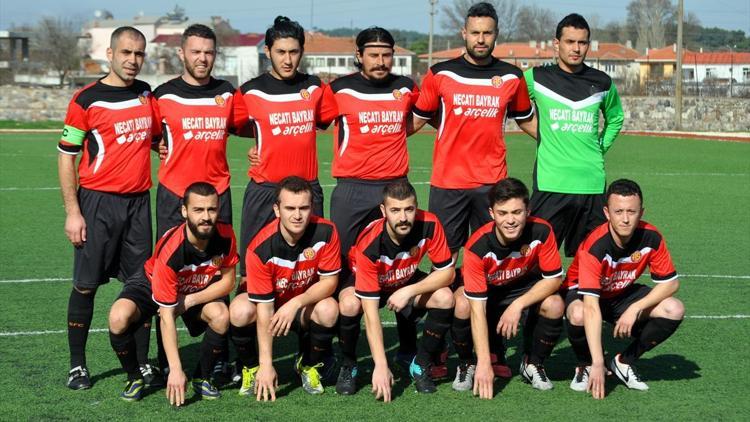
266,383
399,299
483,379
75,229
282,319
176,386
382,381
596,381
508,324
253,156
624,325
163,150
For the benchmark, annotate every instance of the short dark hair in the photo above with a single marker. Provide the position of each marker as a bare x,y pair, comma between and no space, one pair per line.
117,33
373,35
199,188
294,184
624,187
506,189
400,190
198,30
284,27
572,20
482,10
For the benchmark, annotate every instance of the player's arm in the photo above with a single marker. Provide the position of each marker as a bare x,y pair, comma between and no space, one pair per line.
592,324
434,281
382,378
75,226
266,378
484,376
660,292
529,125
176,381
613,118
282,320
508,324
214,291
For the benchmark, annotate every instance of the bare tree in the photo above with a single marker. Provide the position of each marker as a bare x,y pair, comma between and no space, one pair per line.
650,18
538,23
57,41
454,15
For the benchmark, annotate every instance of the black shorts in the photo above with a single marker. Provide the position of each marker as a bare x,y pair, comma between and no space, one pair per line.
169,205
613,308
192,317
257,212
118,237
572,216
458,210
354,204
138,289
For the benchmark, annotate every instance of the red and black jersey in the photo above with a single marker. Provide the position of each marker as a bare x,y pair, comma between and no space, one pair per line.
196,121
379,264
603,269
277,271
370,135
285,115
113,126
489,264
471,103
179,268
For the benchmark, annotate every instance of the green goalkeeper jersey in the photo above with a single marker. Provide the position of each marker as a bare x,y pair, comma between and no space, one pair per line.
570,148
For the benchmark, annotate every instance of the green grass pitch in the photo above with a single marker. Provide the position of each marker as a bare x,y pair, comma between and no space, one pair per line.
697,192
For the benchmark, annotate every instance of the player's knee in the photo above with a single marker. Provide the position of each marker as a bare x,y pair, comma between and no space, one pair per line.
218,318
350,305
462,308
118,321
326,312
672,308
241,313
574,313
442,299
552,307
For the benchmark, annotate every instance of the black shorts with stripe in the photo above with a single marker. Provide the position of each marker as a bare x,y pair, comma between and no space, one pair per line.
118,237
572,216
613,308
460,210
169,205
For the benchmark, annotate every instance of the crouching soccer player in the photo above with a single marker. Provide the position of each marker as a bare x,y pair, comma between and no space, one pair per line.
384,262
292,271
190,274
512,271
601,286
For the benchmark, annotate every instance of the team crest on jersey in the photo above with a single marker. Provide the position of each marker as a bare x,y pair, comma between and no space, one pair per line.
281,284
305,94
414,251
636,256
142,99
525,250
496,81
397,94
220,101
216,261
309,253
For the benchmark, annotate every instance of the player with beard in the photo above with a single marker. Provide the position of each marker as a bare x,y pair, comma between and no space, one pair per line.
107,201
190,275
470,98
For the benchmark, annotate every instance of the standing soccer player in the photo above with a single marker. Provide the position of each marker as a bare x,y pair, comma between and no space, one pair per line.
471,97
512,272
569,177
108,210
601,285
190,275
385,262
285,107
293,265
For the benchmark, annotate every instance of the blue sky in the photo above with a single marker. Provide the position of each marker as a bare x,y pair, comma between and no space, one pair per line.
256,15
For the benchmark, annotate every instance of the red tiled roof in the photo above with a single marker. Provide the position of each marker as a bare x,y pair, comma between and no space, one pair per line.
668,54
317,43
171,40
520,50
239,40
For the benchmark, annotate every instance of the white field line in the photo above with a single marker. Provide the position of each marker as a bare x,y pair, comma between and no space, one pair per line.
720,276
385,324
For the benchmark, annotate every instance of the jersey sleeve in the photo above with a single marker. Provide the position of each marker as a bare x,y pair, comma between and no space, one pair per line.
366,284
164,284
327,108
231,259
528,76
613,118
74,130
589,274
549,257
520,106
428,100
156,127
438,250
240,120
260,286
330,259
414,97
661,266
475,282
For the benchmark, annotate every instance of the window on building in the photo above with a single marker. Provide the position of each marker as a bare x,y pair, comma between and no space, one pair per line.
746,74
401,62
711,72
320,61
609,68
350,62
688,74
331,62
342,61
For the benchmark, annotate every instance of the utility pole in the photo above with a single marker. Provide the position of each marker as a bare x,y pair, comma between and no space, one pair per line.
312,14
432,26
678,71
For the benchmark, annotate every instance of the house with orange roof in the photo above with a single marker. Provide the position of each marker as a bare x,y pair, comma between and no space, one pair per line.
659,64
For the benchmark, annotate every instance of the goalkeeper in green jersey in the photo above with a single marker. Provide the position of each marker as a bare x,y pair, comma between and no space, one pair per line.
569,177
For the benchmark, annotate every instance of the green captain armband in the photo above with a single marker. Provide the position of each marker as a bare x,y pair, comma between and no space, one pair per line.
73,135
